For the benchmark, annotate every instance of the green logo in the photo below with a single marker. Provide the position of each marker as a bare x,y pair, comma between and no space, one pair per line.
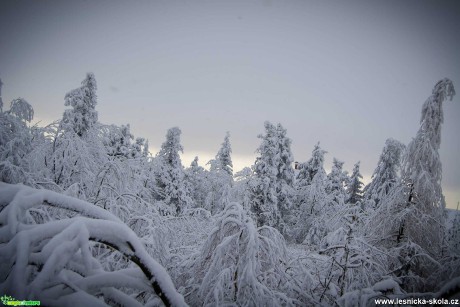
10,301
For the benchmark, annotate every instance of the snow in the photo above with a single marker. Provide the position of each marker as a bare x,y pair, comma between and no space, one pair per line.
64,238
89,216
385,286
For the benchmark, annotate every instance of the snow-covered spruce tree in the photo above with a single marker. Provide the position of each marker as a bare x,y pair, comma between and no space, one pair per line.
241,265
355,185
386,175
197,178
271,187
83,115
422,173
170,184
313,200
285,178
336,181
308,169
307,172
220,177
15,141
223,157
315,212
414,233
54,261
118,141
241,188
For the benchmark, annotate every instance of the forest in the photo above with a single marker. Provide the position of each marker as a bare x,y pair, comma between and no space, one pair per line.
89,216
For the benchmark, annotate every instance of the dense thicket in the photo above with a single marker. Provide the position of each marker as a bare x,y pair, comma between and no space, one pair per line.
103,221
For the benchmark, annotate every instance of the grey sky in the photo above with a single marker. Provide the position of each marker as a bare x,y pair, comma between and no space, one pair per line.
347,74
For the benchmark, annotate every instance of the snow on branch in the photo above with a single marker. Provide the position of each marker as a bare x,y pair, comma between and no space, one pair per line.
53,262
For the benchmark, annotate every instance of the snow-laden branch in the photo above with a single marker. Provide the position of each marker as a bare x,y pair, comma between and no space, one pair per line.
53,262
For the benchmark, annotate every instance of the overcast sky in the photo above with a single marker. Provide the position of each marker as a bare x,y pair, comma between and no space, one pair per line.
347,74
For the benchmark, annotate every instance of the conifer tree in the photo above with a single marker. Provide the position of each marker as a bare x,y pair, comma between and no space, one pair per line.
271,187
223,157
308,169
171,186
285,178
197,178
15,141
307,172
314,210
386,175
414,233
337,179
354,188
83,115
422,172
220,177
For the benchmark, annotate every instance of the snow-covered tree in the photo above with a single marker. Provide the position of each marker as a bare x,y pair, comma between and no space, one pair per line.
223,158
198,181
15,141
242,265
22,110
171,186
353,263
241,188
220,177
308,169
285,178
336,181
67,161
307,172
354,187
271,188
414,233
422,172
83,115
119,142
386,175
314,210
